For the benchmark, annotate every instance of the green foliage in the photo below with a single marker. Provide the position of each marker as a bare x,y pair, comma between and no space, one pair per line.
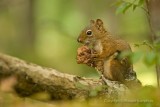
150,58
134,7
141,2
133,56
144,43
124,5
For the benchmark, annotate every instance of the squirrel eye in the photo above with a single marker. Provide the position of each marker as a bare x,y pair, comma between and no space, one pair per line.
89,32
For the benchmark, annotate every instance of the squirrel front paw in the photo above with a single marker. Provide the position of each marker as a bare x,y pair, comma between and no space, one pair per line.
94,55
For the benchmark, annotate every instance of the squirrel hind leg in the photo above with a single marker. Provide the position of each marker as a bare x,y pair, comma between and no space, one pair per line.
131,75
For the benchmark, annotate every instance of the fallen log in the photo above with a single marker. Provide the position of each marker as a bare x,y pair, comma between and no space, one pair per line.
32,79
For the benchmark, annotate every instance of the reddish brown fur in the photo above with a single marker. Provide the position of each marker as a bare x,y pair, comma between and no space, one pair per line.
104,55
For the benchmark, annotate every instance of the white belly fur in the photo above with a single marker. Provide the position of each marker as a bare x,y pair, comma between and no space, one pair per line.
98,47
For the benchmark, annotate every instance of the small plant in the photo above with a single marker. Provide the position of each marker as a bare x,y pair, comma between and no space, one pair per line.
152,57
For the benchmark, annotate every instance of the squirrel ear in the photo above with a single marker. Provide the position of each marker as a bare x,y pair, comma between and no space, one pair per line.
99,22
92,22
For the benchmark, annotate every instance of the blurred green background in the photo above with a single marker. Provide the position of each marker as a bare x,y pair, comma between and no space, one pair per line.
45,31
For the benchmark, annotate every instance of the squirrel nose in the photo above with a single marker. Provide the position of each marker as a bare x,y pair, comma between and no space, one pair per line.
79,40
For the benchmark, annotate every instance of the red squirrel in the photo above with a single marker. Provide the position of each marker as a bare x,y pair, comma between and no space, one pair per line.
105,50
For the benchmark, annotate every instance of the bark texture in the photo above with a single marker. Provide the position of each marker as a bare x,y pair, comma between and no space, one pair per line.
32,79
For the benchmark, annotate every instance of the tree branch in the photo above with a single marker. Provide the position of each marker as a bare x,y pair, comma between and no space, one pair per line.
32,78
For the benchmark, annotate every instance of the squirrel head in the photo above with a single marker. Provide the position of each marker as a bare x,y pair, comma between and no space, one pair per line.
94,31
